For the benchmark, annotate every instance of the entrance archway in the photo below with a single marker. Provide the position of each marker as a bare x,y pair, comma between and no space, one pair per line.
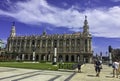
66,58
60,58
31,57
72,58
26,57
37,57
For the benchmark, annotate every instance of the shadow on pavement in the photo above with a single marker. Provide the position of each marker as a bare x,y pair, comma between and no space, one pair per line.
79,72
91,75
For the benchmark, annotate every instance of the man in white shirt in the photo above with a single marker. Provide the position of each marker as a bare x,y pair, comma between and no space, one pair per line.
115,68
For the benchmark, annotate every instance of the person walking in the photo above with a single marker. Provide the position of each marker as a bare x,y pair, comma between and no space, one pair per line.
98,67
79,67
115,68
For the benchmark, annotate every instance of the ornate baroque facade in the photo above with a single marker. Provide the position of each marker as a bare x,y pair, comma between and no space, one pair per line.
70,47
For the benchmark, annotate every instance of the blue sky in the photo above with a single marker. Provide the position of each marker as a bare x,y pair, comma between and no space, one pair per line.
63,16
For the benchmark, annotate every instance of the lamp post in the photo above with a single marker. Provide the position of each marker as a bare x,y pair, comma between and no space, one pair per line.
107,58
55,53
33,54
101,56
110,56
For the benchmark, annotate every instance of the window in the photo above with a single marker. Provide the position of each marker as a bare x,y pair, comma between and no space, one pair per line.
55,43
33,42
38,43
43,43
78,42
49,43
61,43
67,42
73,43
28,42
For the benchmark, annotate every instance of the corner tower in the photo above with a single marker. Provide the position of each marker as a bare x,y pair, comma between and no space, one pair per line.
86,27
44,32
13,31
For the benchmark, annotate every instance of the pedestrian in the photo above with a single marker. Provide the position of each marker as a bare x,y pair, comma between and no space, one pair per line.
79,67
115,66
98,67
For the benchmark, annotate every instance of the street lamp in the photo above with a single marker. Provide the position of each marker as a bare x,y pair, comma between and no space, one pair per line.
33,54
101,56
55,53
110,56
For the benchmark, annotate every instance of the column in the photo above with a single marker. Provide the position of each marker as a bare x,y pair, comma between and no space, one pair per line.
63,57
25,42
75,50
55,56
41,46
29,56
81,58
87,45
49,57
78,58
39,57
46,50
69,58
23,57
58,47
52,45
83,45
70,45
33,55
35,44
75,58
30,49
44,58
64,45
20,45
9,45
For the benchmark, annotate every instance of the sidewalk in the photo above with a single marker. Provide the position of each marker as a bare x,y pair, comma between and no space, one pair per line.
88,74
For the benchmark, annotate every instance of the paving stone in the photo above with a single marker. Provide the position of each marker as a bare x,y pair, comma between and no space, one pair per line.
88,74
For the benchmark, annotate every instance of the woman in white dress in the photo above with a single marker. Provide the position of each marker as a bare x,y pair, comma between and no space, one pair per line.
116,68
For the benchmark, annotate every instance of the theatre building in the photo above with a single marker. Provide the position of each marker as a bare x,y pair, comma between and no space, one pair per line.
74,47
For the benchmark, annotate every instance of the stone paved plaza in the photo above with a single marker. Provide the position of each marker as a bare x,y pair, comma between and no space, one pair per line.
87,74
15,74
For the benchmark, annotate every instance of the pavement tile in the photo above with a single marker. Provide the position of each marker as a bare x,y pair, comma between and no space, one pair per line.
88,74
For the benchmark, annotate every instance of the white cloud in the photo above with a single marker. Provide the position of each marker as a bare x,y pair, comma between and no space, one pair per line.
115,0
102,22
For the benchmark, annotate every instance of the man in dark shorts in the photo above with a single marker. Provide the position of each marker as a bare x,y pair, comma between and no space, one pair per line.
98,67
79,67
